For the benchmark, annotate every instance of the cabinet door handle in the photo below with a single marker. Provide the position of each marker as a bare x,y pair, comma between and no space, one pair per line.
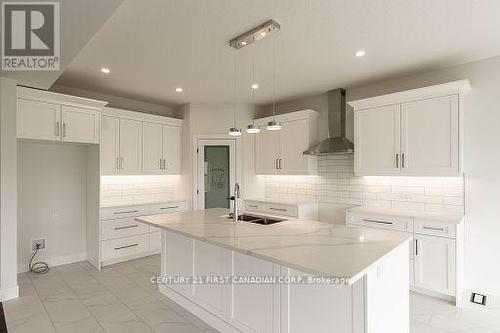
433,228
377,221
402,160
161,163
171,207
64,130
397,161
125,246
276,166
416,247
279,163
252,206
58,125
121,163
127,212
126,227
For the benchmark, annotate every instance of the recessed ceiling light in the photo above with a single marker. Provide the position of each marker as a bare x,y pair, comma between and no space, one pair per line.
243,43
255,86
360,53
263,33
178,89
105,70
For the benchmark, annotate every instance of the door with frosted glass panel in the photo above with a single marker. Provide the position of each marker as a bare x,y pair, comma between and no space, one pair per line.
216,176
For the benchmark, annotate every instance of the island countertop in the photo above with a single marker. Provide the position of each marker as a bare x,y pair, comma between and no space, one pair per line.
317,248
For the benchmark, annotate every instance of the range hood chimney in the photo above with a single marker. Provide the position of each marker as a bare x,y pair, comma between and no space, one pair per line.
337,143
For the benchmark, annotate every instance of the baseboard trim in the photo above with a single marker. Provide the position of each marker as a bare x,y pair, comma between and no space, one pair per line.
198,311
56,261
9,293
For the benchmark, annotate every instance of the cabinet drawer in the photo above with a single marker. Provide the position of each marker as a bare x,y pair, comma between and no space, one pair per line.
162,208
124,247
155,242
280,209
382,222
434,228
122,212
122,227
253,205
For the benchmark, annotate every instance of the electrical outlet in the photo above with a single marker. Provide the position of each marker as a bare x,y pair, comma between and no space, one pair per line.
478,299
38,243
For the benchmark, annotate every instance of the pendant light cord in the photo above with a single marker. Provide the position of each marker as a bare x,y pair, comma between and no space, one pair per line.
274,77
234,89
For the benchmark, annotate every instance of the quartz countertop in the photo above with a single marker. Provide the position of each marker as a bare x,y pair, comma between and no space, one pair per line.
435,216
316,248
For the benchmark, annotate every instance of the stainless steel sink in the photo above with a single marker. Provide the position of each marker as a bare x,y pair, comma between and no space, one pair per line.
258,219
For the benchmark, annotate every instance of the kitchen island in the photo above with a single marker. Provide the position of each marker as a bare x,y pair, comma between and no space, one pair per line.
292,276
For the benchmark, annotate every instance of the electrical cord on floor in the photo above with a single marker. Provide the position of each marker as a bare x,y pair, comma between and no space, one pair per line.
38,267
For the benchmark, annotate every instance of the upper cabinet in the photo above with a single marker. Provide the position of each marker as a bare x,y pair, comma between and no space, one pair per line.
412,133
133,143
43,115
281,152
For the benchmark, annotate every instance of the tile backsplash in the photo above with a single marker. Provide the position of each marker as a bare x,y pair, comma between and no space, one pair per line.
137,190
336,183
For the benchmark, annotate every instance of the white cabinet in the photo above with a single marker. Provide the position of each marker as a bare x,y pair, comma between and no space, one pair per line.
110,145
377,140
130,147
301,210
38,120
430,142
435,264
80,125
134,143
43,115
179,261
152,146
412,133
281,152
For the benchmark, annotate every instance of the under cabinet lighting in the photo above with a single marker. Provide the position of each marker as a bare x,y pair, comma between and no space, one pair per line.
105,70
360,53
178,89
255,86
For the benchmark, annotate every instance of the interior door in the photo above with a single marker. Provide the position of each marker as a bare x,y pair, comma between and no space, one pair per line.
293,142
266,151
130,147
172,149
110,145
377,141
152,151
435,264
430,140
80,125
38,120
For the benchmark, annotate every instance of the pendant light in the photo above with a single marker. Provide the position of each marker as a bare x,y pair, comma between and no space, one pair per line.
274,125
252,128
234,131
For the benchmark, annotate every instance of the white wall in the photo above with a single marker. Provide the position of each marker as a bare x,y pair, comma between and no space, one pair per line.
52,201
215,120
8,190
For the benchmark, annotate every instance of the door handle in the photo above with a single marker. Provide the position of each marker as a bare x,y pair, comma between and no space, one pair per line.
127,212
171,207
161,163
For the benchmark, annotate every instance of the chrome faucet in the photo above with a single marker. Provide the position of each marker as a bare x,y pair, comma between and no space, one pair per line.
235,198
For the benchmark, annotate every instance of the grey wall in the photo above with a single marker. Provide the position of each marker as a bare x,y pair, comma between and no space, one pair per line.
119,102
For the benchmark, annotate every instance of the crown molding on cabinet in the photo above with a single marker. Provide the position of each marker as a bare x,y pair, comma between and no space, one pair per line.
57,98
133,115
459,87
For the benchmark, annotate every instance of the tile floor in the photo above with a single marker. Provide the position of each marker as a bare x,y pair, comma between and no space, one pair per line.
120,298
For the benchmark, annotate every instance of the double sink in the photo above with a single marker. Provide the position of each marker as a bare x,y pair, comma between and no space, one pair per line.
264,220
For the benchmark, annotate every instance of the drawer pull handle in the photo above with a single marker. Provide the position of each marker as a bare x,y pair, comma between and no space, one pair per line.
171,207
125,246
379,222
253,206
126,227
433,228
127,212
278,209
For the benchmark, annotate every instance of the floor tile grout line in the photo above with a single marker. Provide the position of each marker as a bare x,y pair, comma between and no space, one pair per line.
40,300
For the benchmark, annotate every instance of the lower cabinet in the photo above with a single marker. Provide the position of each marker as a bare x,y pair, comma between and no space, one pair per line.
435,264
179,261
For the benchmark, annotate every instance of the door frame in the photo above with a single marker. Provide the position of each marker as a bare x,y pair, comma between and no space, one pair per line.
199,142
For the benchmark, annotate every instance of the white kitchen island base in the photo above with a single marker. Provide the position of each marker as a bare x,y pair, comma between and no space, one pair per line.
377,302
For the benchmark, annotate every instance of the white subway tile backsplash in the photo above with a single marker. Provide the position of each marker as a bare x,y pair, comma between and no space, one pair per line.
336,183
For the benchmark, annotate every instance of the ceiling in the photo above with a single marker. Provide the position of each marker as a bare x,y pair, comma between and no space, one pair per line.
80,20
154,47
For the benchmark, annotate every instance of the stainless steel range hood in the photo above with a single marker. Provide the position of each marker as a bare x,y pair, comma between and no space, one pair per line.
337,143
